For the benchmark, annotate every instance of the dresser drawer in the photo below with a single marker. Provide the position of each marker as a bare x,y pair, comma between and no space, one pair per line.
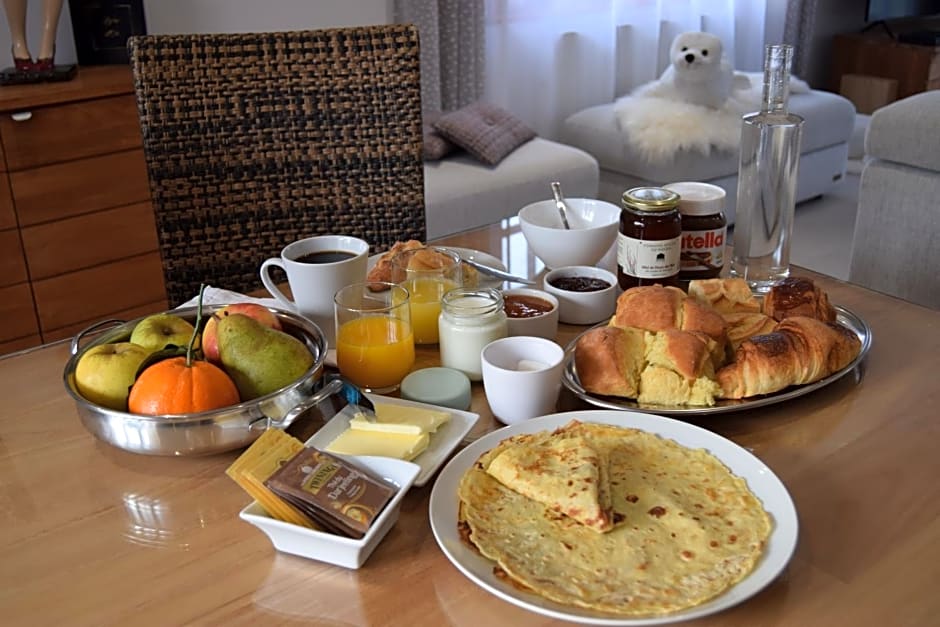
96,293
70,131
89,240
17,316
7,214
70,331
12,264
70,189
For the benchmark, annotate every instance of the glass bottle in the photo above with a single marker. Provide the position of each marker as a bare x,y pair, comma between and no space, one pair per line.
767,171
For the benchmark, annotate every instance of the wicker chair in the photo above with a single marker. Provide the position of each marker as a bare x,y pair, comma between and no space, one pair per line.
256,140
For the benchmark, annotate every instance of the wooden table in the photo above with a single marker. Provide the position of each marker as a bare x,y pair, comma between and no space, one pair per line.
93,535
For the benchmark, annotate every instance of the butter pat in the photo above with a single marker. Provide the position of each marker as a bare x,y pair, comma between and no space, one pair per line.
401,420
399,445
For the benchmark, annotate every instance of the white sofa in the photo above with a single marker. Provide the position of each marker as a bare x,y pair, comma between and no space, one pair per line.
830,120
461,193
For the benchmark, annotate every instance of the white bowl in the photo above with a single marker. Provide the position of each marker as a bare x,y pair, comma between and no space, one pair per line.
332,548
594,227
543,325
583,307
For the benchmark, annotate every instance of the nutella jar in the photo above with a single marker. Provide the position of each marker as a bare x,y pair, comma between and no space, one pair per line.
648,245
704,227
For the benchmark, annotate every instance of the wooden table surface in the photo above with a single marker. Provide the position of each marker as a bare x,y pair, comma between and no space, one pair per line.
93,535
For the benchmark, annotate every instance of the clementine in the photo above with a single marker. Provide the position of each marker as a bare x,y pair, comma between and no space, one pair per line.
181,386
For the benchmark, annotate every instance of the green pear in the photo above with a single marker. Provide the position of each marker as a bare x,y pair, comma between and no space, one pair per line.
259,359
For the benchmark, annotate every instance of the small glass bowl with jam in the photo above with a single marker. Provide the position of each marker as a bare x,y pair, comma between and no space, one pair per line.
531,312
586,295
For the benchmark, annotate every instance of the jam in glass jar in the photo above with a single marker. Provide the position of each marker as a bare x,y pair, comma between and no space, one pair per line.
650,239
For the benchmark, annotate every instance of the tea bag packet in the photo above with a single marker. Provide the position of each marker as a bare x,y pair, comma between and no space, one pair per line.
261,460
333,492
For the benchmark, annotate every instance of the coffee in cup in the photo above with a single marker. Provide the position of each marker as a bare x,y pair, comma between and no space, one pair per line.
318,267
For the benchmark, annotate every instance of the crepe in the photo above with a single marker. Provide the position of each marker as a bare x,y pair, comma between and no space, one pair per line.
567,475
690,529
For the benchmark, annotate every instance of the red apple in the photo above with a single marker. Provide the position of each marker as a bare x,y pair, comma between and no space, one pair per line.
210,340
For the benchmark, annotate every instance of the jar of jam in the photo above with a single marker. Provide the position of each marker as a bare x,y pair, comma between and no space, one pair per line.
650,238
704,227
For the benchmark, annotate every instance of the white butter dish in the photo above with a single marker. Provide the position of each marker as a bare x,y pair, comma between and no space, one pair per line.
332,548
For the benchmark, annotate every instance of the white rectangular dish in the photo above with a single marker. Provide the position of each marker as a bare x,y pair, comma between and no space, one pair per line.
443,441
332,548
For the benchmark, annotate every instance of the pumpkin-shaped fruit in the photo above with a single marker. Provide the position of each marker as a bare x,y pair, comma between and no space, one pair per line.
173,386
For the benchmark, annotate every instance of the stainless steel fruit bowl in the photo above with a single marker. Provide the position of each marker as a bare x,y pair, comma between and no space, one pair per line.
207,432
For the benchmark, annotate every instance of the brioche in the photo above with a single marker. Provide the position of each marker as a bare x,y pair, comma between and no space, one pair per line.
725,295
800,350
742,326
798,296
609,360
658,308
678,370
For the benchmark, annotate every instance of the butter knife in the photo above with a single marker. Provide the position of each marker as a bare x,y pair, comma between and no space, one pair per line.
496,272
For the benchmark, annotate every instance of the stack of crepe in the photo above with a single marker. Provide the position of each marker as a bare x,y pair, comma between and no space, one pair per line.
612,519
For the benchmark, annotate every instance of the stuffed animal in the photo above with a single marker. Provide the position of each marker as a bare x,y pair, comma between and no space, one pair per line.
699,73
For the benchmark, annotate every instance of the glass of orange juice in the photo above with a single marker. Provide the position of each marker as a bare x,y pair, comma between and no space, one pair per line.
375,345
427,273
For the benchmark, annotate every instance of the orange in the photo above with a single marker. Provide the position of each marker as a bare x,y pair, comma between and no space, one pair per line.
172,386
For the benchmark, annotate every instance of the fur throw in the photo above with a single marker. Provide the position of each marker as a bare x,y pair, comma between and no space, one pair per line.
696,105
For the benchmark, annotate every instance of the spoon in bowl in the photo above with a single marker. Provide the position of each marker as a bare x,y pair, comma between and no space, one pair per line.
560,203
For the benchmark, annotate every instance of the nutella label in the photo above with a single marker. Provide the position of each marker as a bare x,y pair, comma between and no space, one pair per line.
703,250
648,259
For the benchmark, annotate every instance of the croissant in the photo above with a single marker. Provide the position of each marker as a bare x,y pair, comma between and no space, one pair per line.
800,350
798,296
741,326
725,295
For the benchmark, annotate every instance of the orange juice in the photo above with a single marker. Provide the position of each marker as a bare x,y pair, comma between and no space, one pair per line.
375,352
426,294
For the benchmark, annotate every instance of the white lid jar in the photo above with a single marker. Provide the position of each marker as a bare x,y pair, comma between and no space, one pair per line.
470,319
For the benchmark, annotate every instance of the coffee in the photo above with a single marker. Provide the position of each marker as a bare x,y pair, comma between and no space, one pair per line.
325,256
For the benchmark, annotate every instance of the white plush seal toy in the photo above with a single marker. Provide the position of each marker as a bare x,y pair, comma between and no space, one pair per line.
699,73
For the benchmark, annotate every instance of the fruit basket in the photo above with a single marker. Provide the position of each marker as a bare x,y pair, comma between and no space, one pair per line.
206,432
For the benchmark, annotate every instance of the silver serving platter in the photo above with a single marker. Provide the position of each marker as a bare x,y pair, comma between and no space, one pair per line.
843,316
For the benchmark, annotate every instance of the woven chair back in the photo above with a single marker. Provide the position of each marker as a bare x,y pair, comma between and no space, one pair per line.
253,141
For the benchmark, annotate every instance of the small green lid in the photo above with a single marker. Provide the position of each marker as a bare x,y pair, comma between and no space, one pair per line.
438,386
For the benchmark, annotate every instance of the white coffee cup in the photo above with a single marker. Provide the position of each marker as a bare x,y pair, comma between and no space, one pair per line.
522,377
314,282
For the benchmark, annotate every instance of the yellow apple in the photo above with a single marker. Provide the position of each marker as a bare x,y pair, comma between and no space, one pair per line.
210,341
105,373
157,331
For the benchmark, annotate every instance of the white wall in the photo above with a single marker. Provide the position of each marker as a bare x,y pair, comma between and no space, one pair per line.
215,16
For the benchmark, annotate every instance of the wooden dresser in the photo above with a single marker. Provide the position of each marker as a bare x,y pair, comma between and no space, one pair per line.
77,236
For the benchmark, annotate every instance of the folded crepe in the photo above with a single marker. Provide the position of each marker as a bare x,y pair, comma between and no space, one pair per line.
566,475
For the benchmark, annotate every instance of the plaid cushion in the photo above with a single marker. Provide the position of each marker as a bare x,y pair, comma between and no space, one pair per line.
436,145
486,131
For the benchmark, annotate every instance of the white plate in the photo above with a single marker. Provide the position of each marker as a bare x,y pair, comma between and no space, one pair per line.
332,548
467,253
443,441
760,479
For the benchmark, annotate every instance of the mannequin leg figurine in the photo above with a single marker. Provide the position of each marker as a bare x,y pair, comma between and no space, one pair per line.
16,17
51,10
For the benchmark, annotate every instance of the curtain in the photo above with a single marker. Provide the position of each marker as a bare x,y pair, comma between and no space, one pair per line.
798,31
452,50
547,59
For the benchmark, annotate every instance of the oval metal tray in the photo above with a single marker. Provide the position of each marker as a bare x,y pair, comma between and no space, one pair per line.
843,316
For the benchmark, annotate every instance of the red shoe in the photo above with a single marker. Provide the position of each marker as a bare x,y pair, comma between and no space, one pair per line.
21,65
44,65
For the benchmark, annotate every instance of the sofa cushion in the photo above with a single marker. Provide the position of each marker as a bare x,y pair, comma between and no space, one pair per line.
486,131
436,146
461,193
905,131
830,120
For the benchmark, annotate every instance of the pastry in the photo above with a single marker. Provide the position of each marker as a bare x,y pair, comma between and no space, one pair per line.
798,296
742,326
725,295
609,360
800,350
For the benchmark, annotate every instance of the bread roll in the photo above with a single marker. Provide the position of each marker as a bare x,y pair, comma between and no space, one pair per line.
658,308
798,296
609,360
800,350
678,370
725,295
